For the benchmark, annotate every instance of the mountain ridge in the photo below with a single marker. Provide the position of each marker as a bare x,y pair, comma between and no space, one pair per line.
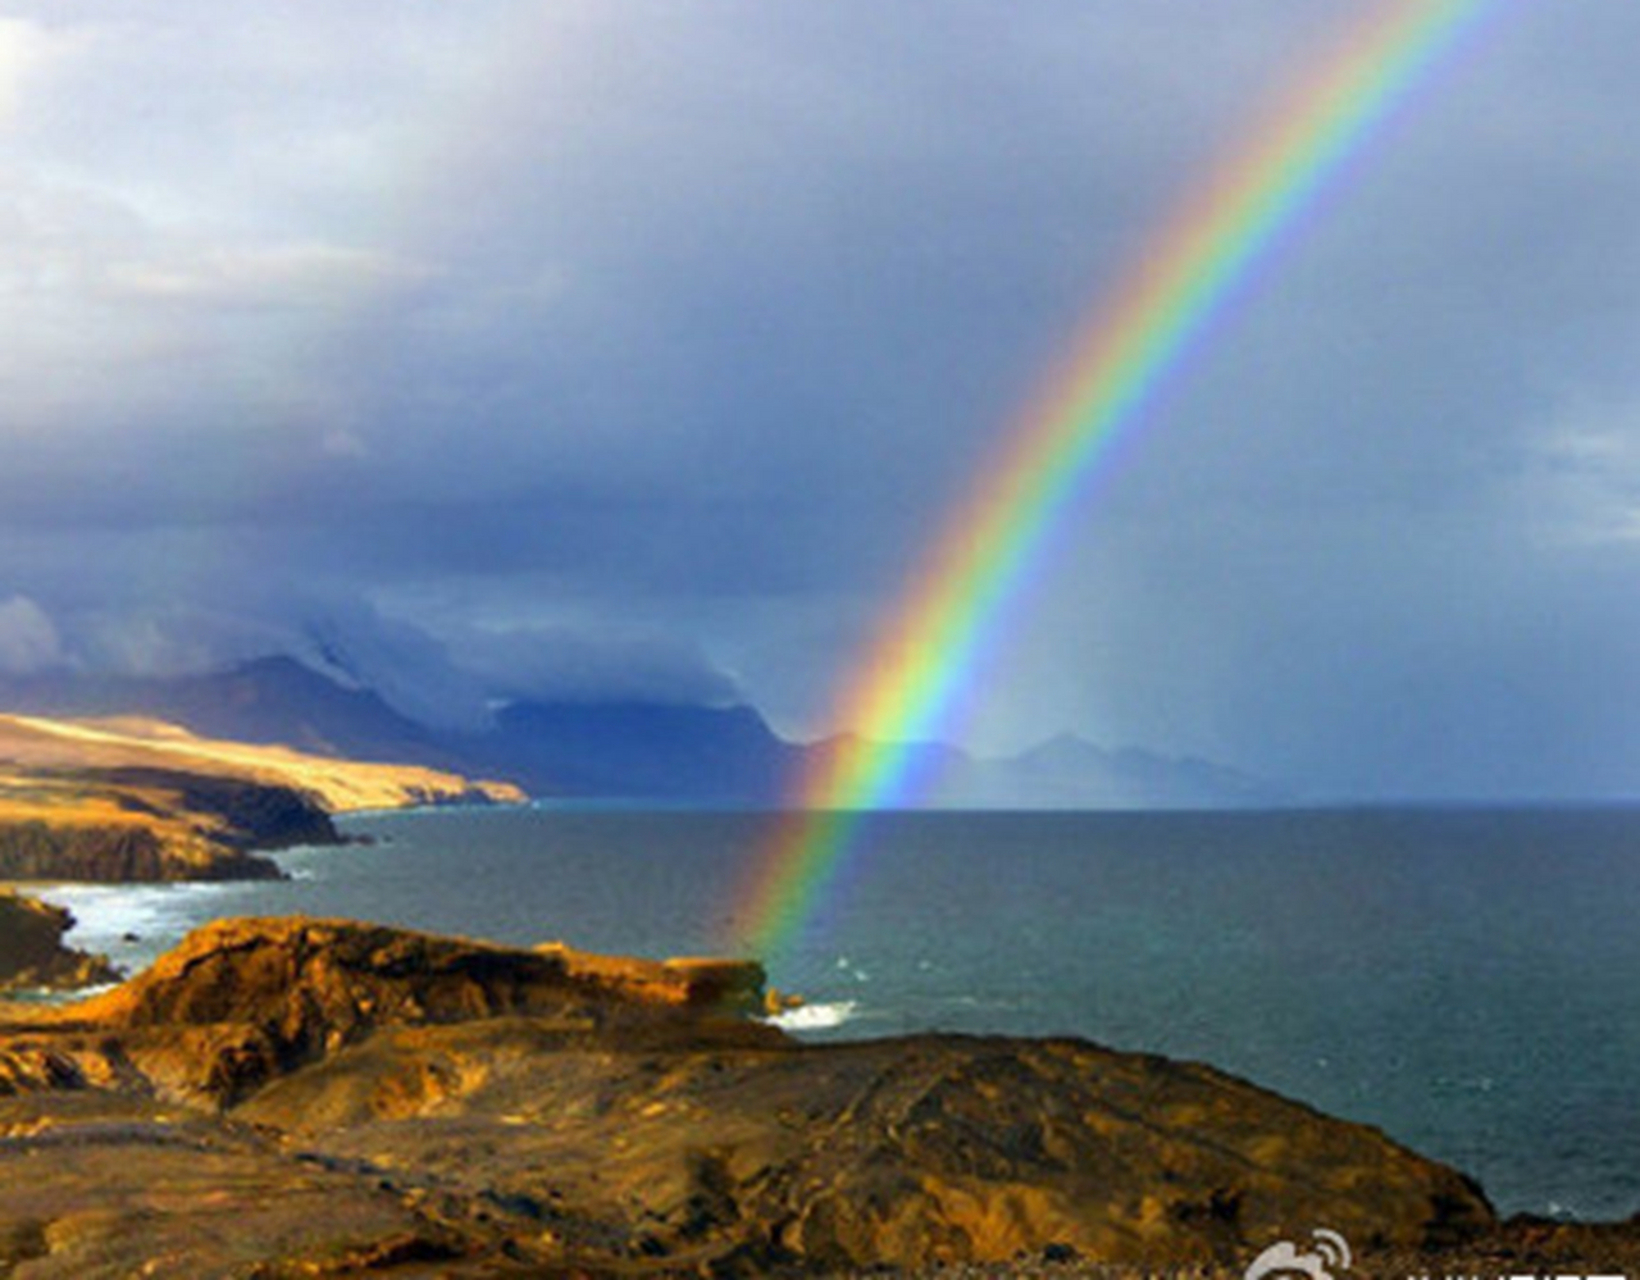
132,798
626,749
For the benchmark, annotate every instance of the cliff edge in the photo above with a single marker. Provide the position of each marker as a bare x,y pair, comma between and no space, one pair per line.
32,954
127,800
323,1097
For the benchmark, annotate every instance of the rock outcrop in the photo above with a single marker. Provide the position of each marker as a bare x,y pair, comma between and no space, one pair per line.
241,1002
32,954
137,742
123,826
322,1097
129,800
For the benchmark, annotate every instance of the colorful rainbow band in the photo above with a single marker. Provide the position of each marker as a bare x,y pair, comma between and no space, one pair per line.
1206,256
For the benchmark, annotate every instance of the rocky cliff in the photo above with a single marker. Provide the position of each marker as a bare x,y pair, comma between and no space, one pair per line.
138,800
324,1098
32,954
137,742
126,825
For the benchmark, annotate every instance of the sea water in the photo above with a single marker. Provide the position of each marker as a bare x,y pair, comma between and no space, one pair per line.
1468,980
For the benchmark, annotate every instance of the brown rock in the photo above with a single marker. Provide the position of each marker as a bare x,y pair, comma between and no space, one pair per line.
777,1001
32,954
131,799
896,1152
315,979
698,982
240,1001
104,1186
116,854
420,1105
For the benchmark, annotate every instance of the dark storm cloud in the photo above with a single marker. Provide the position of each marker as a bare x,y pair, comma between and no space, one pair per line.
670,329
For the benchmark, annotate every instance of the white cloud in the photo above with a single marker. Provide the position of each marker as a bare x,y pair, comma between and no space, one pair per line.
28,639
1584,477
342,443
168,636
411,670
280,275
688,318
146,646
23,47
583,665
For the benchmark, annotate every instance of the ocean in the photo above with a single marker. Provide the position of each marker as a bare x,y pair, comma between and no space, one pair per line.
1466,979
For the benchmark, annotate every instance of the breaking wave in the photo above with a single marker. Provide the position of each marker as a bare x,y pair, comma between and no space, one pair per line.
815,1017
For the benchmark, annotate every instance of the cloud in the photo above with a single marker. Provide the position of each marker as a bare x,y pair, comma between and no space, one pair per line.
342,443
156,644
1584,477
676,328
26,52
299,275
28,638
409,668
564,664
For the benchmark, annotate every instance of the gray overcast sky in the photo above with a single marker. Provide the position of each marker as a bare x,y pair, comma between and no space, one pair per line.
636,347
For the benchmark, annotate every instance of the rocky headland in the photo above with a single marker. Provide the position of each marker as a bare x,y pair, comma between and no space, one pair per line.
126,800
33,955
299,1097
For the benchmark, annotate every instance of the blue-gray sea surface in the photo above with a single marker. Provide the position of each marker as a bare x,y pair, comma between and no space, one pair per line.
1468,980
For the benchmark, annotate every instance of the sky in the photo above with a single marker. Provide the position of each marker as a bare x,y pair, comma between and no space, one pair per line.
636,349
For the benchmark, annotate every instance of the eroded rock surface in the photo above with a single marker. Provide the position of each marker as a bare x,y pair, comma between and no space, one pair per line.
131,799
291,1097
124,826
32,954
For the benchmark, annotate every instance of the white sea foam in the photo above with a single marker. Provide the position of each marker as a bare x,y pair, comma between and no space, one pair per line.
853,970
55,996
133,924
110,909
815,1017
85,993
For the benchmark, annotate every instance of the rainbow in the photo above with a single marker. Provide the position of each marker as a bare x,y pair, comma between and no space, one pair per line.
1188,278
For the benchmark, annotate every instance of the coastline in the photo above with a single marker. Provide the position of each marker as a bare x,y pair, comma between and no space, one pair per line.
1166,952
574,1146
33,955
482,1049
129,801
360,1100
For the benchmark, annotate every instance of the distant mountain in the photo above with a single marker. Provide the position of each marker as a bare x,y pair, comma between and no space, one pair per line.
621,749
919,764
269,700
1068,772
636,749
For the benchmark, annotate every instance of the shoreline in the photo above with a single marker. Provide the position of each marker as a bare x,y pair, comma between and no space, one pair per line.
351,1094
326,1032
791,1022
1452,1114
1591,1221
